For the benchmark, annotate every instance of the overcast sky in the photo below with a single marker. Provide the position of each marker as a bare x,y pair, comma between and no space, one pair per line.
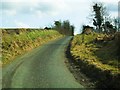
41,13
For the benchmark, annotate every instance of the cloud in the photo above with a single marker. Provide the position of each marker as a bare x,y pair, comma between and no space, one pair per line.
109,1
112,7
21,24
50,7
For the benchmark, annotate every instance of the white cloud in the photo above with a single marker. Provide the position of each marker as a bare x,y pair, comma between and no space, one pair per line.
114,14
51,7
109,1
21,24
20,0
10,13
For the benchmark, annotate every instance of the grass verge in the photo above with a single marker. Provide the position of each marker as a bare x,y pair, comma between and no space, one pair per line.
14,44
98,60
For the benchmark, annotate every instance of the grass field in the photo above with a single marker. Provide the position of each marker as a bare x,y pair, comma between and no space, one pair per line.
14,43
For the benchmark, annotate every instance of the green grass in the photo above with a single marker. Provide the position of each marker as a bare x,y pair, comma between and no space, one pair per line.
16,44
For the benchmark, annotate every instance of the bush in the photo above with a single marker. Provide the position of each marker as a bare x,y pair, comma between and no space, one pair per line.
117,40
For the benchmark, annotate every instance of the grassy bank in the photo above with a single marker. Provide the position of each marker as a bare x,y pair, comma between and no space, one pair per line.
98,59
19,41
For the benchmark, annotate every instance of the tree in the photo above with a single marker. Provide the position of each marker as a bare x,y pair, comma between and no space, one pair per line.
72,27
58,25
98,18
109,28
100,14
64,27
116,23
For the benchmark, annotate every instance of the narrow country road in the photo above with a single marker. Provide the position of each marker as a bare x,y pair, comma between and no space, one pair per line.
43,67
